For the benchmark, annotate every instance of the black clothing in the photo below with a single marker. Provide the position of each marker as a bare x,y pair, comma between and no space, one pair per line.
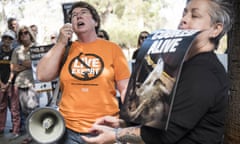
199,107
134,56
5,58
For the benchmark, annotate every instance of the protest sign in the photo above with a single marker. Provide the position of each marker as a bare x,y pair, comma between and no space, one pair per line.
153,83
36,53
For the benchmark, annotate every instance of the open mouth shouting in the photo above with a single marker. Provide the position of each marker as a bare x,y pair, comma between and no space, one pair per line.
80,24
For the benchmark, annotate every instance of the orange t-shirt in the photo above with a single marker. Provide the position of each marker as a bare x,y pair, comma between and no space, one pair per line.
88,83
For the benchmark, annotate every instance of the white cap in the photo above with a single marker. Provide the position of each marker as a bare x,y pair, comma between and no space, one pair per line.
9,33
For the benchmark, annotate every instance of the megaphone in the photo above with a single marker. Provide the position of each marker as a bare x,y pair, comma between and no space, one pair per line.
45,125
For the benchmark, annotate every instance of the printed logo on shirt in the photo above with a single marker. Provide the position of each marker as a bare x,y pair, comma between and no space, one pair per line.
86,66
5,59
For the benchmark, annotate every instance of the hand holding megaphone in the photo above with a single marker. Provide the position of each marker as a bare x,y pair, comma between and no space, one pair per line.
65,34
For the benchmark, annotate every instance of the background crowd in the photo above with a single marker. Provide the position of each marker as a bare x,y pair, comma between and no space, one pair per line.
16,80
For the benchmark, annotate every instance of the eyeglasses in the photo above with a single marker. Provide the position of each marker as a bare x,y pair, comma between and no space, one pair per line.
25,33
83,12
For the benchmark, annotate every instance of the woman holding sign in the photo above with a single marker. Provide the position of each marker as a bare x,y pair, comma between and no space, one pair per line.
198,111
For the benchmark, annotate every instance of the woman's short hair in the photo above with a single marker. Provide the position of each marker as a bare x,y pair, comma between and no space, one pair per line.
221,12
9,22
92,10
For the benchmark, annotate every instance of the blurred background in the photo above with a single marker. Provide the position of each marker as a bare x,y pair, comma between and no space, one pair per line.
122,19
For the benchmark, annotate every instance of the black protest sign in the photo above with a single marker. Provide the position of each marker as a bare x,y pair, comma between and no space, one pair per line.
36,53
153,82
66,8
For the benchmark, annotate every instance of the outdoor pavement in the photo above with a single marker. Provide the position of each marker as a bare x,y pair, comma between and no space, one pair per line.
5,139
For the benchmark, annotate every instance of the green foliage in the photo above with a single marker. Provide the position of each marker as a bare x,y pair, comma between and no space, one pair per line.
122,19
119,10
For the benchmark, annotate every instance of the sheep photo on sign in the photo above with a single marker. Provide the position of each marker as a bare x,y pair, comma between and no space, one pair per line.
153,82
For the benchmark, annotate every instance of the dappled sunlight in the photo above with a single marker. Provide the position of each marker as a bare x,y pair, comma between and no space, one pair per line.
122,21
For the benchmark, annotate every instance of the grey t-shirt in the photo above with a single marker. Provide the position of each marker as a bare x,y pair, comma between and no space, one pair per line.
24,78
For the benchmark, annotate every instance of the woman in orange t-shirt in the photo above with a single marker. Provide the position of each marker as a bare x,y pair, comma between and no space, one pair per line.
92,71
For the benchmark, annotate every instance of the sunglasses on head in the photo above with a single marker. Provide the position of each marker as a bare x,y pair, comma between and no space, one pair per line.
25,33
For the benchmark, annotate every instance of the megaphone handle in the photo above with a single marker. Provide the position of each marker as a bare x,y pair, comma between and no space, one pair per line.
57,89
47,123
55,95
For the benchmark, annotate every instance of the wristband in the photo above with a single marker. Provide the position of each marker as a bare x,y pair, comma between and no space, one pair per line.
116,135
9,81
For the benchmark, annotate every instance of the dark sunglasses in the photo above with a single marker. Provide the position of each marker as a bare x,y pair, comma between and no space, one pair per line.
143,37
25,33
53,37
101,36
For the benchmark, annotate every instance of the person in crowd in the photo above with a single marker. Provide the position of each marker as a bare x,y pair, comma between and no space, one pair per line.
13,25
8,94
103,34
199,108
141,37
92,69
34,29
21,66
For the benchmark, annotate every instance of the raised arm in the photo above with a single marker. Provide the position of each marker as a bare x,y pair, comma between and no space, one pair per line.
49,66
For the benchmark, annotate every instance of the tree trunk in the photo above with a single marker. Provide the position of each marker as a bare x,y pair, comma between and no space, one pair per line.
232,133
